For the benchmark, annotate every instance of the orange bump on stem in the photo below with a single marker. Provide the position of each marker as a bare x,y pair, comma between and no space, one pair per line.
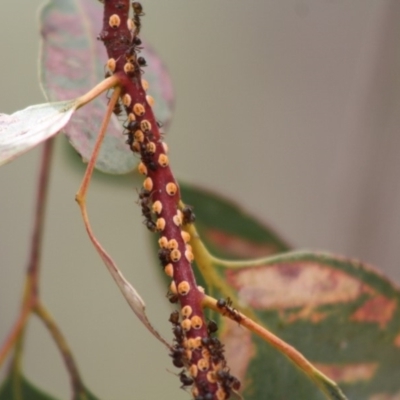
172,244
175,256
150,100
203,364
126,100
145,84
171,188
177,220
148,184
184,288
186,311
142,168
185,236
169,270
157,207
111,63
163,242
138,109
139,136
114,21
145,125
160,224
186,324
197,322
163,160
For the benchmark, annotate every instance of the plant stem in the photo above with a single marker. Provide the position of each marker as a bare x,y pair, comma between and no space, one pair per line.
70,364
81,195
31,289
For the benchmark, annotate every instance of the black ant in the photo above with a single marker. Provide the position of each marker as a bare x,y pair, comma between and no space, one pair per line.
163,256
142,62
188,215
178,354
131,126
172,297
174,317
228,381
226,306
137,13
212,327
185,380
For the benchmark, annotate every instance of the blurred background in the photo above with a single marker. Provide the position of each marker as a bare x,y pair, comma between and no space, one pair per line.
289,107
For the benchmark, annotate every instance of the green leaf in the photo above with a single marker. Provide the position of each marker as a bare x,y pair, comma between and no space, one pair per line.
227,229
17,387
73,61
341,314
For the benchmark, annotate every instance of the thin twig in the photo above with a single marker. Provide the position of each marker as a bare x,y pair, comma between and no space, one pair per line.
328,387
66,353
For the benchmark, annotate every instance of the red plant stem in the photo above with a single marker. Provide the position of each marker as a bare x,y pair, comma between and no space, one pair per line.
161,188
41,202
31,291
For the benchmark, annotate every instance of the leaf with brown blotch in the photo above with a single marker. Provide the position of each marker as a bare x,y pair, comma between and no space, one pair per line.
72,62
339,313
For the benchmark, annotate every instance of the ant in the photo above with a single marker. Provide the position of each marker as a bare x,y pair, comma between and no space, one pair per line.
137,13
226,306
212,327
227,380
164,256
188,215
144,201
172,297
185,380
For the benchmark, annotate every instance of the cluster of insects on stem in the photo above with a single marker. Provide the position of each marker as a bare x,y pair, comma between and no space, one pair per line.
195,347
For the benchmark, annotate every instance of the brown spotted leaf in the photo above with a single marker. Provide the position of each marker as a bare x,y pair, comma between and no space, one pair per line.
341,314
72,62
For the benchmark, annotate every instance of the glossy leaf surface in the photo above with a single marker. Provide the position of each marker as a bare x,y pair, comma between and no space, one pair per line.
227,229
25,129
17,387
72,62
341,314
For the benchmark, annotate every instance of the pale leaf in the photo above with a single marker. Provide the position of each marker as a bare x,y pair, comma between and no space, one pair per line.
25,129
